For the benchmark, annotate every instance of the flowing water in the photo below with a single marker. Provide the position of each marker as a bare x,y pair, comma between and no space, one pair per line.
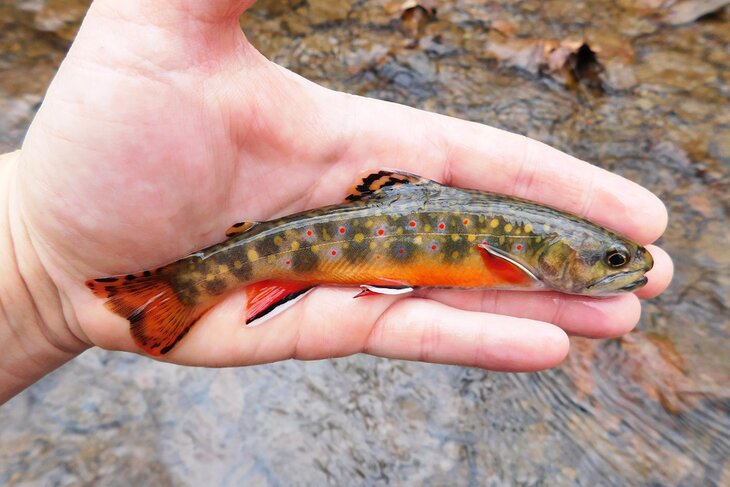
641,88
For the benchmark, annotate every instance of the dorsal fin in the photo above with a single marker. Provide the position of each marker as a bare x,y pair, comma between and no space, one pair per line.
240,228
376,181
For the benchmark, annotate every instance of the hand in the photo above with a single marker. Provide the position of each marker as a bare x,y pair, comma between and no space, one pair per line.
164,126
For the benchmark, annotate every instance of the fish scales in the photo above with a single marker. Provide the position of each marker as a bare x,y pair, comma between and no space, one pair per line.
394,232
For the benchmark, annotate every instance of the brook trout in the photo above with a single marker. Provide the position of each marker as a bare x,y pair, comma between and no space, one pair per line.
395,232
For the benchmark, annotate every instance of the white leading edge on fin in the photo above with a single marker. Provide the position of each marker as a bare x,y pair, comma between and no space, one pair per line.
387,290
503,255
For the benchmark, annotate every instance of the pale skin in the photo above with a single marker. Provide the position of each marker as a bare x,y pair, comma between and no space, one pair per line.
164,126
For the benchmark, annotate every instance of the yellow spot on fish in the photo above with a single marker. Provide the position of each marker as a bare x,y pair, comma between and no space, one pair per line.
501,239
373,245
418,240
471,237
494,223
278,240
399,231
345,245
210,277
222,269
538,239
295,245
197,275
252,255
508,228
455,237
528,228
427,227
369,224
359,237
482,218
455,254
271,259
237,264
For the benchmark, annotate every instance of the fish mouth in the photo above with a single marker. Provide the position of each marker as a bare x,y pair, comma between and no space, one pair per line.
605,283
640,282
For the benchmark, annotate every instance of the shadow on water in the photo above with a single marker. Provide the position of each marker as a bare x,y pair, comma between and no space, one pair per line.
635,87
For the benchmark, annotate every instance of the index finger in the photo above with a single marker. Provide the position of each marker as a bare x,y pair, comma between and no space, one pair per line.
477,156
517,165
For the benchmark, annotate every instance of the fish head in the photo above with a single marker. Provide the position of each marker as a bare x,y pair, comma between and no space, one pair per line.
593,263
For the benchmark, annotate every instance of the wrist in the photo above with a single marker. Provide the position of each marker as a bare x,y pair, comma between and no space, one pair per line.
34,337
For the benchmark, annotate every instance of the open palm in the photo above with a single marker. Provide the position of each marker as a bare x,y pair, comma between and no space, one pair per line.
164,126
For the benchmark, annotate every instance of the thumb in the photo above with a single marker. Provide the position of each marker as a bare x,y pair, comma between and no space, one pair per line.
172,34
206,11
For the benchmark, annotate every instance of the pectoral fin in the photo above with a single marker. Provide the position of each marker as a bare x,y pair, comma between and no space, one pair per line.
511,271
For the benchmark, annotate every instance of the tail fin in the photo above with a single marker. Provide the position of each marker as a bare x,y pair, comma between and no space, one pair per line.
158,318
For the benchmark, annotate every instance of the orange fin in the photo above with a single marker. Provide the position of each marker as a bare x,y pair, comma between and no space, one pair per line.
266,296
371,184
158,318
511,271
240,228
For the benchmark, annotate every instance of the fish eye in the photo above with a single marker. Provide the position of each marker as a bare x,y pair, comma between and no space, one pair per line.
617,258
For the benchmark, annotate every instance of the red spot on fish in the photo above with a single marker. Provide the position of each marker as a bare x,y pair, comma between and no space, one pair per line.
377,257
309,233
485,243
401,251
442,226
381,231
466,221
411,223
434,247
334,252
518,247
287,262
342,229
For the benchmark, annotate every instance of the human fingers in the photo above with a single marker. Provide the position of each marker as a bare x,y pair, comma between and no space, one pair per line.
330,323
429,331
477,156
577,315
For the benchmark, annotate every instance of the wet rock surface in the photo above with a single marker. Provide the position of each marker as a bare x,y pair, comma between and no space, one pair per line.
636,87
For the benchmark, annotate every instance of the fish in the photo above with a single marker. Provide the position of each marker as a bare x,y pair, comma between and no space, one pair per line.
395,232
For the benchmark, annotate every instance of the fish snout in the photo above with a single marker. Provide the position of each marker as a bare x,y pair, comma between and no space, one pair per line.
642,255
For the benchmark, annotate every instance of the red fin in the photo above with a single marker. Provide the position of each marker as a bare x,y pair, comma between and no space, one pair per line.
265,296
240,228
372,183
502,267
157,317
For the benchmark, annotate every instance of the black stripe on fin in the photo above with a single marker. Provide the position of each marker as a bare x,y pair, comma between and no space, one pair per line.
374,182
241,227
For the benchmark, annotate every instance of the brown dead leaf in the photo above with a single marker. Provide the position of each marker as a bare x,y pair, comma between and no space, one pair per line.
683,12
414,18
572,60
504,27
